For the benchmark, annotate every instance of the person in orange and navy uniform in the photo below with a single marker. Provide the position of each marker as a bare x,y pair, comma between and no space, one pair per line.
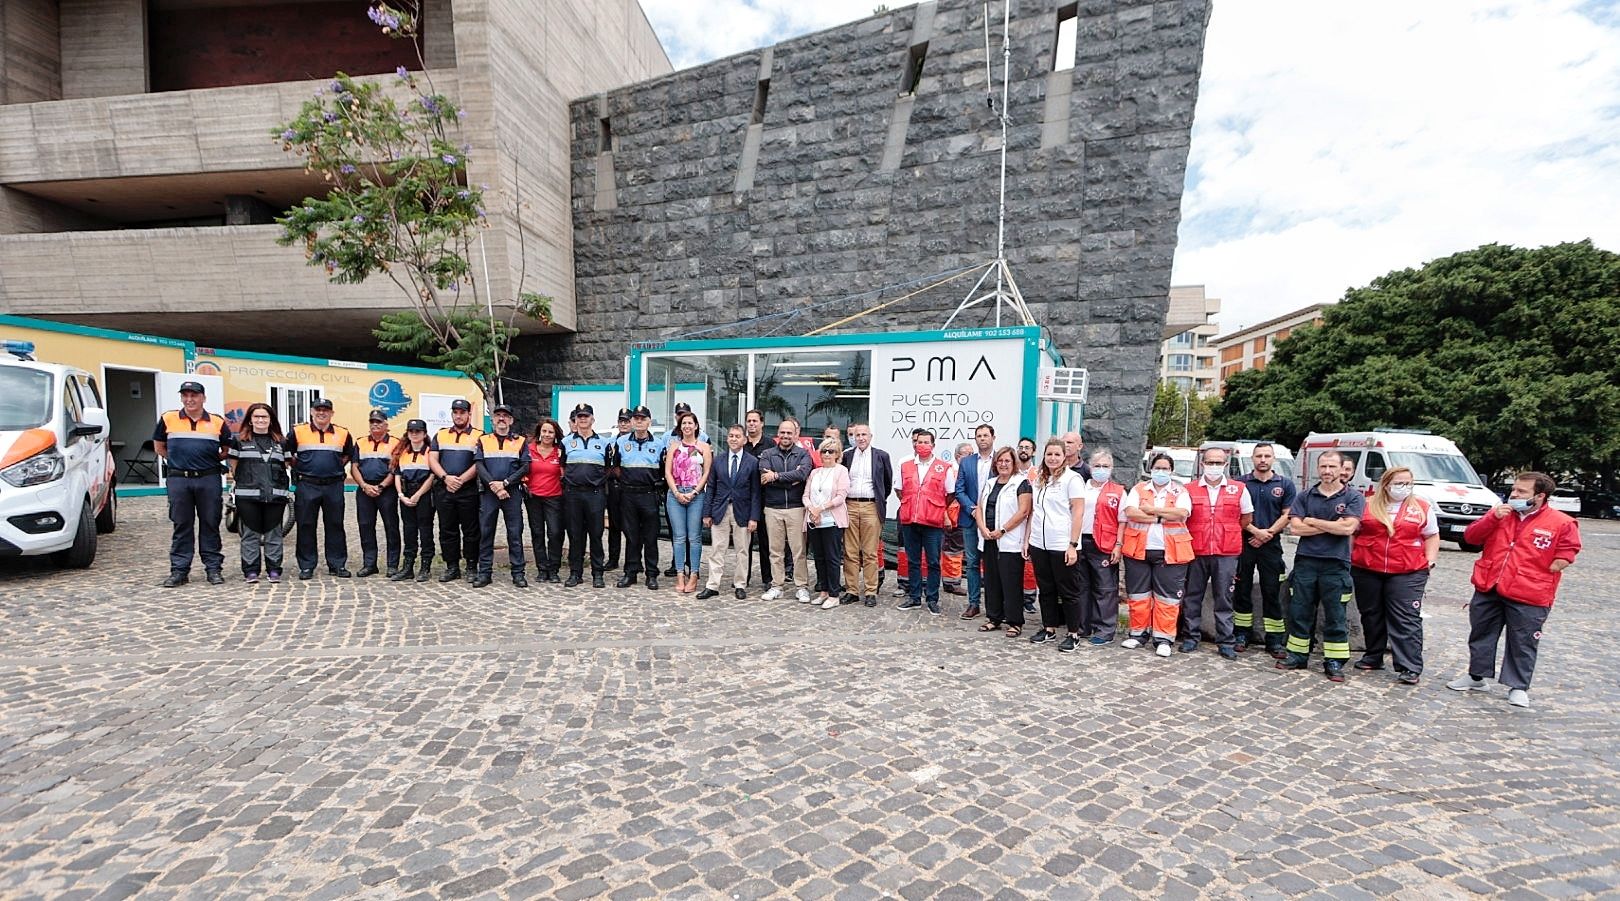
503,464
414,479
455,494
192,442
320,452
376,494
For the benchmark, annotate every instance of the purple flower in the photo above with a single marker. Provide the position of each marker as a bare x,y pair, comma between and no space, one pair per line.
429,104
461,114
480,211
359,220
329,116
402,73
464,194
288,135
346,169
337,87
449,159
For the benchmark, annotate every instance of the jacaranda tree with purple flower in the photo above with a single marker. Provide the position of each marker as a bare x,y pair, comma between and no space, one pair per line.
399,203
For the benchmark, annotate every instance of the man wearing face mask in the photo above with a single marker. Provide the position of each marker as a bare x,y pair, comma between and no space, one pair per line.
1326,517
924,489
1222,512
1527,545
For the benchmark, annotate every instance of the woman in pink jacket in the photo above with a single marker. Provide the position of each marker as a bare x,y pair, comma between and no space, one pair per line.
826,518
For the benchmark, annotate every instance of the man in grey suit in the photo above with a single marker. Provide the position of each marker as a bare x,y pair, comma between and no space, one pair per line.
732,512
971,473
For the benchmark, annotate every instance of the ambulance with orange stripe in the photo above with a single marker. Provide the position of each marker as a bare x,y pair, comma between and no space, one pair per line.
56,466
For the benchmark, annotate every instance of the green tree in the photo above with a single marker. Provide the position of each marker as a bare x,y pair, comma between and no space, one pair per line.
398,203
1179,417
1513,353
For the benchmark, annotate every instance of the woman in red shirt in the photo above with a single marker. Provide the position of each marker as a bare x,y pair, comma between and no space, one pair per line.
1395,546
544,500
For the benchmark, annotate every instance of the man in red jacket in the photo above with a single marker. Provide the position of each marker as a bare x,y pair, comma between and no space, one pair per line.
1527,546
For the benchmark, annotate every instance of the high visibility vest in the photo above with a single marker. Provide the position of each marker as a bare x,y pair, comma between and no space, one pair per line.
1105,522
1177,540
924,501
1376,549
1518,553
1217,531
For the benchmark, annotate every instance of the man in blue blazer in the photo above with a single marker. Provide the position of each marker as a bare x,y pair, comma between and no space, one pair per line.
972,472
871,481
732,512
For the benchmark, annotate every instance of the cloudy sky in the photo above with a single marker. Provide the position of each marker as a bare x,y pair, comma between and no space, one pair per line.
1336,142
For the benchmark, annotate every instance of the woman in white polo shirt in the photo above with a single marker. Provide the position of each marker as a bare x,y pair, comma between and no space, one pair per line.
1002,518
1053,545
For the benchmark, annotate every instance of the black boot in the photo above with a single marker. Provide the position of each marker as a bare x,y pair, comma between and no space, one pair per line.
404,573
177,577
451,573
519,580
427,567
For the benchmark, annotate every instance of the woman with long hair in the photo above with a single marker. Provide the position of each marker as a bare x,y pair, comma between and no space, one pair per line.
1002,517
1157,548
826,516
545,500
686,472
415,480
262,491
1395,546
1053,545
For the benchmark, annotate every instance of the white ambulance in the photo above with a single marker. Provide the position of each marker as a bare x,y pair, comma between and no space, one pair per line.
1240,457
1442,474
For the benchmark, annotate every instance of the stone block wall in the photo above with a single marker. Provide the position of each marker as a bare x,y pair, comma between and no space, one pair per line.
853,183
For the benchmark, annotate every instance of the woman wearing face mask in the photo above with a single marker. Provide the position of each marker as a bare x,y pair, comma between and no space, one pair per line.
1053,545
1100,537
1395,546
1157,548
259,471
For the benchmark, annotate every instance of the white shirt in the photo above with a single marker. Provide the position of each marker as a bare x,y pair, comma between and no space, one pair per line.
922,474
1245,502
733,462
1051,520
984,471
1172,495
860,474
1091,491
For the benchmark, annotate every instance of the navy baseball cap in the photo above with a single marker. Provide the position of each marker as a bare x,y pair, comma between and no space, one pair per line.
582,410
501,408
461,405
378,416
416,425
641,411
192,386
320,403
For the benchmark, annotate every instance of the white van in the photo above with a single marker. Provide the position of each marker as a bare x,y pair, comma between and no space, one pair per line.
56,468
1240,457
1442,474
1184,459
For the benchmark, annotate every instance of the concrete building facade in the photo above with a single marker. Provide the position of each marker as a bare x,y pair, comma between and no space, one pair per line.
1250,348
782,180
138,178
1187,355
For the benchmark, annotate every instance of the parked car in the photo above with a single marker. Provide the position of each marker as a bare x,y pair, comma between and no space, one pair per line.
56,465
1442,475
1566,500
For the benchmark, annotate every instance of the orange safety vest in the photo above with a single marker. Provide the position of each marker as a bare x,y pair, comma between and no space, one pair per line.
1217,531
924,501
1177,540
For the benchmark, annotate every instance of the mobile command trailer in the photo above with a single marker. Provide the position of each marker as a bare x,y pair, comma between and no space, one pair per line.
1440,472
947,381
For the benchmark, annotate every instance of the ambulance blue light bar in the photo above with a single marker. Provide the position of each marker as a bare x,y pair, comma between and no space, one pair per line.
22,350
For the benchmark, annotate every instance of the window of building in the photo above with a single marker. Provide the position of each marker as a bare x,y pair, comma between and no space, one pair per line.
1259,345
1067,39
1185,339
1180,362
914,69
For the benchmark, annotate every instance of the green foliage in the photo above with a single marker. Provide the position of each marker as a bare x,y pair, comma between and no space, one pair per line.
1179,417
1513,353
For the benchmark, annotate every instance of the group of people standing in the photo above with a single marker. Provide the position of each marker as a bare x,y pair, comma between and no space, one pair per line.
1062,522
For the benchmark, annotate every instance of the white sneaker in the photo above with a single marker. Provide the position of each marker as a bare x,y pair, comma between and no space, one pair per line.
804,596
1518,697
1130,644
1466,682
772,594
831,603
1163,650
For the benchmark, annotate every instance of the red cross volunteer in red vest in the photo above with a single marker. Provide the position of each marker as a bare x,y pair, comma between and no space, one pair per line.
927,483
1157,548
1100,552
1394,548
1527,545
1222,512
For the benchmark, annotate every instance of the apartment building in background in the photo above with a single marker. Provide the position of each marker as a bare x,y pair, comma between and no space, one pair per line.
139,179
1251,348
1187,354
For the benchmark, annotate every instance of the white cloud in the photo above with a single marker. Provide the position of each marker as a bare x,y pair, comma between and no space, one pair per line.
1335,143
696,31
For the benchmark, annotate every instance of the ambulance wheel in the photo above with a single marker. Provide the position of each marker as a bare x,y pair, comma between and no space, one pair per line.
107,519
83,551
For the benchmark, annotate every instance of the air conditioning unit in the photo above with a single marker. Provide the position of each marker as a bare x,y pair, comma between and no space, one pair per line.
1062,383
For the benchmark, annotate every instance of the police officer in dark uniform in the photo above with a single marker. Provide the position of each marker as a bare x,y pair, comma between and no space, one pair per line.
192,442
588,457
414,479
320,451
455,495
375,494
503,466
615,519
641,477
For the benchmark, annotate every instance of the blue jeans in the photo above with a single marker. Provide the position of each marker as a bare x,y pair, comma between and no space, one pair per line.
970,561
686,529
922,542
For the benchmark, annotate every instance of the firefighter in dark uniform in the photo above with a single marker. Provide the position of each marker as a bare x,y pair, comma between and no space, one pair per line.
320,452
375,494
503,466
615,519
588,457
414,479
455,495
192,443
641,480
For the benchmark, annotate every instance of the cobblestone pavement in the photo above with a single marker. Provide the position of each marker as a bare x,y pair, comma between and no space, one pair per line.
357,738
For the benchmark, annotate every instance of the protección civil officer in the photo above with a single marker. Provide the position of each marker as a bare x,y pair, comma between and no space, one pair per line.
192,442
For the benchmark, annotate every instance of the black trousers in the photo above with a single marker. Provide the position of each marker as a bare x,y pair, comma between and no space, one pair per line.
1391,608
511,510
196,504
615,522
324,503
1099,590
582,517
545,532
458,525
1003,585
367,509
416,527
826,544
1059,587
642,510
1268,559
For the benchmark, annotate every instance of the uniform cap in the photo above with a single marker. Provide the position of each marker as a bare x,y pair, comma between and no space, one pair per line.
416,425
582,410
321,403
625,414
501,408
377,416
191,386
683,407
461,406
641,411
